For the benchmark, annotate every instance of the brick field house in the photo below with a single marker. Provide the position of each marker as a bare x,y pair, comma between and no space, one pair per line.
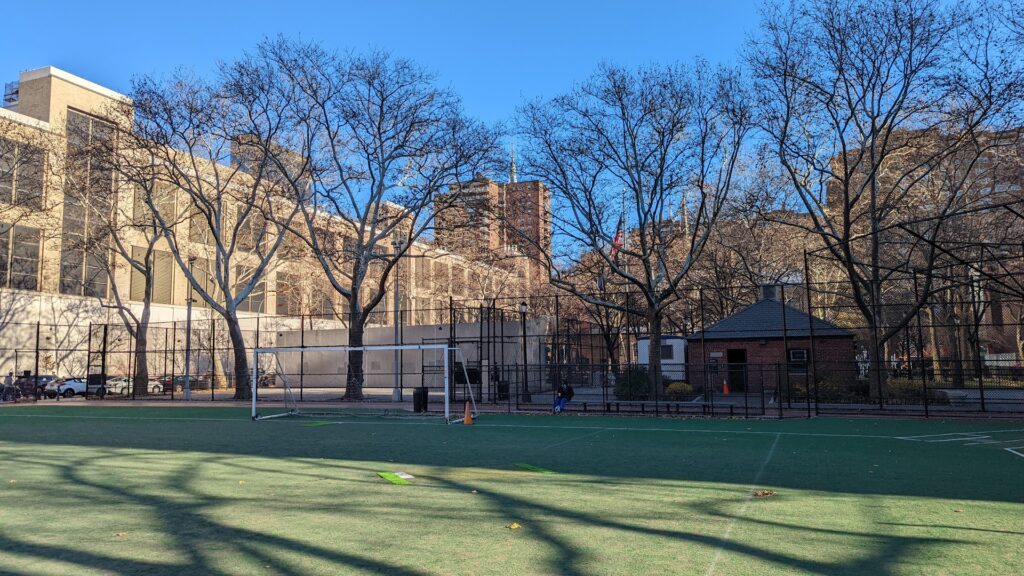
768,345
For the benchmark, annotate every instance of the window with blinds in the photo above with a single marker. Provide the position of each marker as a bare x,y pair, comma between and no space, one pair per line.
256,300
163,199
206,277
199,229
252,233
289,294
163,277
88,204
21,174
19,257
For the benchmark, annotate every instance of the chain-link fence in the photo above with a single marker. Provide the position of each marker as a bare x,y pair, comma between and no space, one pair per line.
793,351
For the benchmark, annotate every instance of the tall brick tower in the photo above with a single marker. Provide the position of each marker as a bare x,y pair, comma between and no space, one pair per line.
505,219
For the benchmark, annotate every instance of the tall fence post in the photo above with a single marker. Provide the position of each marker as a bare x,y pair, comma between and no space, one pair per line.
35,372
302,354
213,356
785,347
920,349
810,324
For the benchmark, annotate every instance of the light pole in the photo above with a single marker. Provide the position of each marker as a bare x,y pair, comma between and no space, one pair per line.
526,369
398,244
188,335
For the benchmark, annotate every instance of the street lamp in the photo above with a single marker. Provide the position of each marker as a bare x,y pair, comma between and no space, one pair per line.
398,244
526,369
188,334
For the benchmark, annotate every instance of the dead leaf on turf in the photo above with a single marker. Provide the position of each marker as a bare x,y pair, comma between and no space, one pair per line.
475,492
12,481
241,481
958,510
514,526
120,534
764,493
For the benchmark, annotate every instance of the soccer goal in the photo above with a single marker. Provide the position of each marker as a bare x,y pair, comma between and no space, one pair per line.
310,381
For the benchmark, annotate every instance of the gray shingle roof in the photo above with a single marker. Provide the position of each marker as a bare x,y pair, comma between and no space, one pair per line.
763,320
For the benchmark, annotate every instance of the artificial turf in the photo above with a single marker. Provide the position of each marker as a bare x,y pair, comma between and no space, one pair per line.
133,490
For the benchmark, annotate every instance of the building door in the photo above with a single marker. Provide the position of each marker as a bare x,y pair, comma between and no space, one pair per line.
736,359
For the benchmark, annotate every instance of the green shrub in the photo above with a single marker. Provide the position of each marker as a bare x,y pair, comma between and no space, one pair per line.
632,384
678,391
902,388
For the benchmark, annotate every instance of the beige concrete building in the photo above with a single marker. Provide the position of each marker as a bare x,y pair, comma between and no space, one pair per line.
47,278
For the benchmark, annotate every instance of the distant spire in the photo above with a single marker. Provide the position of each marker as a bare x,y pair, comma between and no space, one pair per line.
512,176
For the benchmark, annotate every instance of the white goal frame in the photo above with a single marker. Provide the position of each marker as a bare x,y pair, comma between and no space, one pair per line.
444,348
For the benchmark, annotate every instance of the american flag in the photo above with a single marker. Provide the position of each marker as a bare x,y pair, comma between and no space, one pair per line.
617,240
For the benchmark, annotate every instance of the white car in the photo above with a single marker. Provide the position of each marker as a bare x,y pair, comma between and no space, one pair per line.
66,387
123,385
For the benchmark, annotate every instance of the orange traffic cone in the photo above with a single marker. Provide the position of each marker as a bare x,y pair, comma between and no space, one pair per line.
725,387
468,420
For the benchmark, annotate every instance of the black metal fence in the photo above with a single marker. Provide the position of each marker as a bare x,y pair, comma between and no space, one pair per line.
955,355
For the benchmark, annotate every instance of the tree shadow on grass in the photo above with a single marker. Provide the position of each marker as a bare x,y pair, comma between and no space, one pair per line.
881,558
182,515
182,508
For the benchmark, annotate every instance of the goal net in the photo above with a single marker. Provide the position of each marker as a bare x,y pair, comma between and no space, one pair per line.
415,380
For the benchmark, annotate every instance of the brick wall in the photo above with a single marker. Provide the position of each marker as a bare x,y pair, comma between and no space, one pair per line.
767,364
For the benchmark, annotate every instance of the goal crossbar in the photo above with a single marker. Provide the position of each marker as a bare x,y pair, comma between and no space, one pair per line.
292,406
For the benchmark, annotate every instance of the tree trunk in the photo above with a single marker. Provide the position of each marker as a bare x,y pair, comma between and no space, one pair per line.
242,388
140,380
354,380
654,353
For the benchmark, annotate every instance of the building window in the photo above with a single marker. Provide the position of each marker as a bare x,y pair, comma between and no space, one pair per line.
322,300
289,294
163,200
252,230
19,257
88,205
163,277
199,229
21,174
256,300
667,352
798,360
205,277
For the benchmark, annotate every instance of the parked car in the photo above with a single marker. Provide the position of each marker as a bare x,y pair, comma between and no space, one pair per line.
66,387
124,385
200,382
31,386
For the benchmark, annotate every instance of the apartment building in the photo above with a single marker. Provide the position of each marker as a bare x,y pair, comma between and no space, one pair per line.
508,224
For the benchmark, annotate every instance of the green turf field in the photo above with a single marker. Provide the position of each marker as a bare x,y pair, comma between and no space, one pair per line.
123,490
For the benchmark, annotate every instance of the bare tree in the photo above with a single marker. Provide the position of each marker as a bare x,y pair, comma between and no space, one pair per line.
195,133
877,111
378,142
640,164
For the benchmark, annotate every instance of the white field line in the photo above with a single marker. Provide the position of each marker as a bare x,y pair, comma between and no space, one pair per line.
1018,450
987,442
397,422
746,503
79,417
977,432
959,439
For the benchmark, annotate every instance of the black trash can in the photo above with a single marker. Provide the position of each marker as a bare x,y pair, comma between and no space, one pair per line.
419,399
502,391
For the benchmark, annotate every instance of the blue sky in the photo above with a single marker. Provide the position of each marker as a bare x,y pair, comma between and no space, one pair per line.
494,54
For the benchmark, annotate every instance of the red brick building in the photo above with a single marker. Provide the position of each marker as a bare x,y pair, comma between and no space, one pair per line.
767,345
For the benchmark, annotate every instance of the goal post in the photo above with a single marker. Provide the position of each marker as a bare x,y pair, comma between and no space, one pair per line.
285,368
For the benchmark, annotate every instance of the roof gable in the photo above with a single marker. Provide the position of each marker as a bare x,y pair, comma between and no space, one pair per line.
764,320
